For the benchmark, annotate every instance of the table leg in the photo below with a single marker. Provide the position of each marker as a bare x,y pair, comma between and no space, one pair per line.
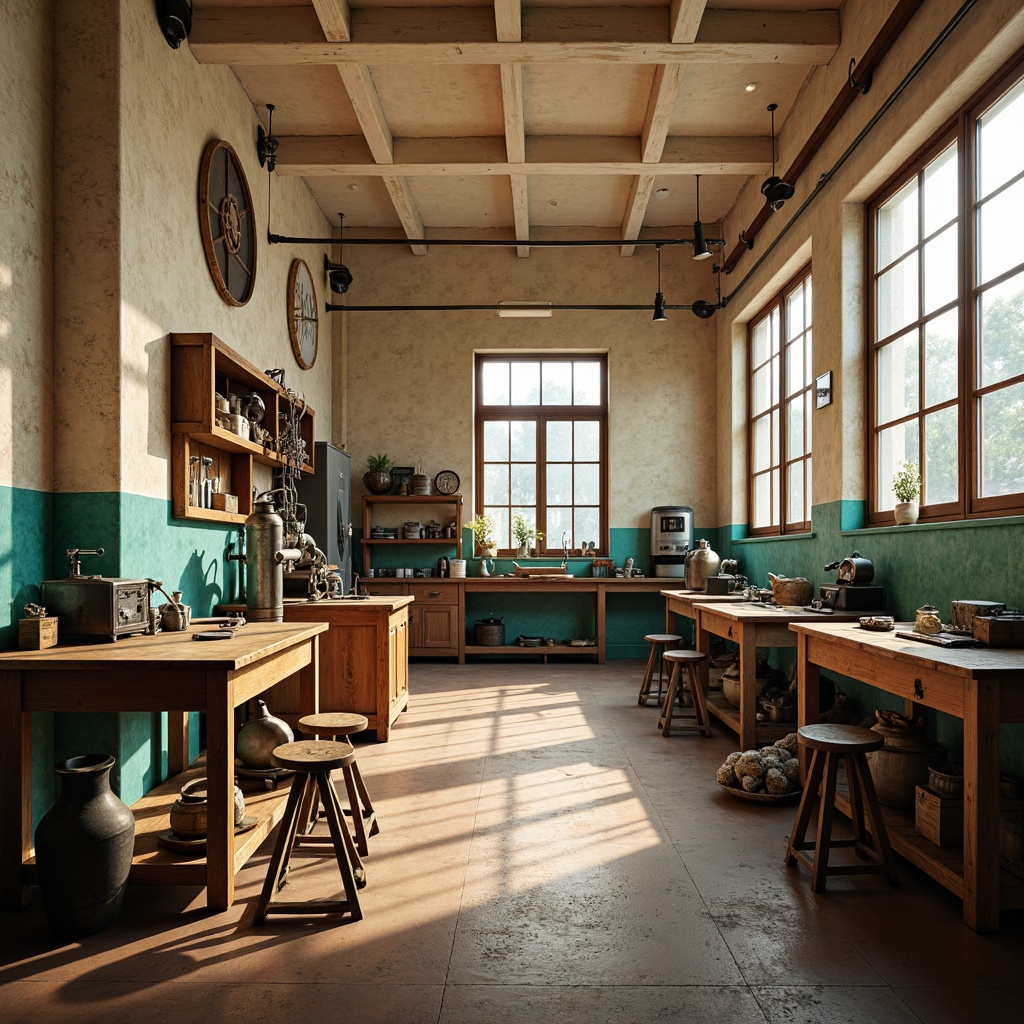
601,608
15,793
981,806
220,754
309,677
808,705
747,641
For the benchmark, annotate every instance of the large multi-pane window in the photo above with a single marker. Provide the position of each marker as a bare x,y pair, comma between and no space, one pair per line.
541,447
780,412
946,360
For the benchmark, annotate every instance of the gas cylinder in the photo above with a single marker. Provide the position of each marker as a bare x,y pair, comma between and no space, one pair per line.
701,563
264,576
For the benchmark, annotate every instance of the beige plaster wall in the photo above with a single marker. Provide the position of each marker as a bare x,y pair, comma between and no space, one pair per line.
830,230
410,374
26,248
134,118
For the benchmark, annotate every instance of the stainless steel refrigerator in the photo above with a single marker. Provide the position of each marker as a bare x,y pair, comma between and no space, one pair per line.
327,497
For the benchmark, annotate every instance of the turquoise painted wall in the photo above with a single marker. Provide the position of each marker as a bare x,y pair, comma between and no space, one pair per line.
140,539
922,564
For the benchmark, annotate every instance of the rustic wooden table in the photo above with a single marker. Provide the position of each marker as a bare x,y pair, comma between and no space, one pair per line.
167,672
984,687
750,626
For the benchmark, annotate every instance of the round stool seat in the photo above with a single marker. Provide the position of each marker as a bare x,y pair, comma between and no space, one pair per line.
843,739
662,638
313,755
692,657
337,723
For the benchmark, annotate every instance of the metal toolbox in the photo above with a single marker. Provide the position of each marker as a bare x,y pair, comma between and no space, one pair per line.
89,606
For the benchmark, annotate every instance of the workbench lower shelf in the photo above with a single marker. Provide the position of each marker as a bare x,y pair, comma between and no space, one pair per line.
557,650
155,864
767,732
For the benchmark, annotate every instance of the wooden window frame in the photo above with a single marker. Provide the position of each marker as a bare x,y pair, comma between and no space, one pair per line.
778,301
961,129
543,414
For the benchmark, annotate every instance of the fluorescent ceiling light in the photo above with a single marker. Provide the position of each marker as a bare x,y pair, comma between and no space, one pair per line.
524,309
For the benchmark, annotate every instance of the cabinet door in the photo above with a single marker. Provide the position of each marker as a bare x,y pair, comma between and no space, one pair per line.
438,626
398,657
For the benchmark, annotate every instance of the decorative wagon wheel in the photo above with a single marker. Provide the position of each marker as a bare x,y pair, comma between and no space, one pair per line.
227,223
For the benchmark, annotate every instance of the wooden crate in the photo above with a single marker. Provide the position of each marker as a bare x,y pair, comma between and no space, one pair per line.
37,634
999,630
940,819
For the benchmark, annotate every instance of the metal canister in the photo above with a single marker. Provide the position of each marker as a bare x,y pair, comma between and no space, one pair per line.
264,577
701,562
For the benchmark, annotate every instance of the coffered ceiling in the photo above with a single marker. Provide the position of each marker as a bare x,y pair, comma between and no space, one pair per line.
520,119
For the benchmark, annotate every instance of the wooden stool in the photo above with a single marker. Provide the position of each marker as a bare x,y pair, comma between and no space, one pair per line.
830,743
699,719
660,642
342,724
313,761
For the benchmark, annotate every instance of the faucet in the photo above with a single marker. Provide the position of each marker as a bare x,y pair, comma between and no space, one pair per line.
565,551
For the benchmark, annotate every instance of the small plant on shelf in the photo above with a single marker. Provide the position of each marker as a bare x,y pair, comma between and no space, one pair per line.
522,530
378,477
482,526
906,486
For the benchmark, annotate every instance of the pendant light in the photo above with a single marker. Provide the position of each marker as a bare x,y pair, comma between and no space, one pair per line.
659,299
700,246
775,190
338,275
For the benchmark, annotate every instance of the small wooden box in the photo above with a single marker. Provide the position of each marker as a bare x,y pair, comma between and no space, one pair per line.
37,634
225,502
939,819
999,630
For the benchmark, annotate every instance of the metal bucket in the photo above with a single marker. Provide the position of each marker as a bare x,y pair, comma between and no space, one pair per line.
489,632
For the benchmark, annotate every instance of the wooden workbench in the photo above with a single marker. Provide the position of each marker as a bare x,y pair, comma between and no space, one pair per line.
167,672
982,686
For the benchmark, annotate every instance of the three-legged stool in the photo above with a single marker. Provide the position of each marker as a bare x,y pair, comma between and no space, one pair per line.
312,761
660,643
684,661
830,744
341,725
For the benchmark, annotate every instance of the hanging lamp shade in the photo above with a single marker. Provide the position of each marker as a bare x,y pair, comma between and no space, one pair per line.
774,189
700,246
659,299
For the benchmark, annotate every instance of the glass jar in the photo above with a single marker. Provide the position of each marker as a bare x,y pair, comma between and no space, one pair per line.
927,620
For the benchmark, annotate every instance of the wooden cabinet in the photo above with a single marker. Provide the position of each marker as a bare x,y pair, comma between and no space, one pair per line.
435,615
399,505
201,367
364,659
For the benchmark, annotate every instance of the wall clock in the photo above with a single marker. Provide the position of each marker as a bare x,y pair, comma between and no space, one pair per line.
227,223
303,320
447,482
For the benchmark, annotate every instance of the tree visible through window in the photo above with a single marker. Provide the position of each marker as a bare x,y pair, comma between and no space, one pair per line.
946,362
541,447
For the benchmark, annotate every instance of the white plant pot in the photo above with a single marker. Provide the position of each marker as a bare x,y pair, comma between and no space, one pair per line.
906,512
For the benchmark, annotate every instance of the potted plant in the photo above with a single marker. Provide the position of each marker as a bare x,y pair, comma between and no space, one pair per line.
482,526
523,531
906,485
378,477
535,546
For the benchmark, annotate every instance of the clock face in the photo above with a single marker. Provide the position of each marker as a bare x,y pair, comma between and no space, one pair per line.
303,316
446,482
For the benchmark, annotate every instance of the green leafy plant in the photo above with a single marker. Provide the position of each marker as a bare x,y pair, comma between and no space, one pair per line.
482,526
906,482
379,464
522,529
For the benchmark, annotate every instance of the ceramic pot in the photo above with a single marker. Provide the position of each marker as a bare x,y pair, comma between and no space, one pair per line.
259,736
377,482
189,812
84,847
906,513
794,592
902,764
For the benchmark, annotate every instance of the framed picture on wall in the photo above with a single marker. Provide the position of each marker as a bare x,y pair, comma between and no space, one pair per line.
401,475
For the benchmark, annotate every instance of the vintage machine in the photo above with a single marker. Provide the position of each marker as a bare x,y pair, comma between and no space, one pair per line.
853,590
671,539
96,606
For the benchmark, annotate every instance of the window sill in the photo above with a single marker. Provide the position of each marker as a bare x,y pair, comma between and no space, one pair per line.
956,524
775,537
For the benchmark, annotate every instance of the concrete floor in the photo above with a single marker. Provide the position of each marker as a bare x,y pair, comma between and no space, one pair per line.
544,855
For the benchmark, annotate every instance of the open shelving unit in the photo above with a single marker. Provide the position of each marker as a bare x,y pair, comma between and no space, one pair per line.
371,502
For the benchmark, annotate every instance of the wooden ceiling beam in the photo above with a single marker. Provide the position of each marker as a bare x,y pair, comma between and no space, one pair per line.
282,36
366,104
335,19
350,156
405,207
684,18
640,190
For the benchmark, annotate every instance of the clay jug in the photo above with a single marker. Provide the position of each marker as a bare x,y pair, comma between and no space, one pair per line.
902,764
84,847
259,736
189,812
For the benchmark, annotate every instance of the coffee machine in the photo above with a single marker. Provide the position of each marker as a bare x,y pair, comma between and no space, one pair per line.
671,539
